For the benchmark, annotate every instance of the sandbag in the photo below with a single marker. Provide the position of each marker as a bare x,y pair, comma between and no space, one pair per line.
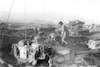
3,65
8,58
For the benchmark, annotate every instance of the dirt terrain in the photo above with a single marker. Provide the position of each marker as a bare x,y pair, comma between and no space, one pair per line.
9,36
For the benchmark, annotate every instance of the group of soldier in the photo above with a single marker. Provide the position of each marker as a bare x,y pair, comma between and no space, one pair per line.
28,48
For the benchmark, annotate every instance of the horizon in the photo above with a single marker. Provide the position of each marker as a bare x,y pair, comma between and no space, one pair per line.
48,17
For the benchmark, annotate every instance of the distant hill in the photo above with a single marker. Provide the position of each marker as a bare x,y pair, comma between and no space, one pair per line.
42,17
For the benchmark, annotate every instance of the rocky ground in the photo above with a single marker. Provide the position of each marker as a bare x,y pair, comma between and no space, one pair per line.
13,36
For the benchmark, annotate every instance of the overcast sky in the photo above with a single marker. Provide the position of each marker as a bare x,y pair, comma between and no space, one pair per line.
81,8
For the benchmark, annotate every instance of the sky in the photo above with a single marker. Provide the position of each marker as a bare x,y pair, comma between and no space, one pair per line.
88,9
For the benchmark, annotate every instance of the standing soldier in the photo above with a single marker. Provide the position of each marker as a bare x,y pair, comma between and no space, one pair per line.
63,31
33,49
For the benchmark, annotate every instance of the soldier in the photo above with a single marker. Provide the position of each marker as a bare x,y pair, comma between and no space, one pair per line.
63,31
22,46
33,47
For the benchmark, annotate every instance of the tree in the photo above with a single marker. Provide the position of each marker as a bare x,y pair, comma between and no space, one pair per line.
77,24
